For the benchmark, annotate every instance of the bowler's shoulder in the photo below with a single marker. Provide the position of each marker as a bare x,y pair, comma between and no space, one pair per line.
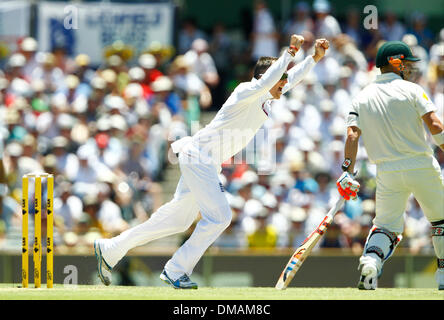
244,86
238,90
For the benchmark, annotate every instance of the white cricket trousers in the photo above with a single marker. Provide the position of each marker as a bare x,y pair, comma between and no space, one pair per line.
394,185
199,189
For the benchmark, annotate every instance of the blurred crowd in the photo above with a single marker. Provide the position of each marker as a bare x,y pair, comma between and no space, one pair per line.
105,131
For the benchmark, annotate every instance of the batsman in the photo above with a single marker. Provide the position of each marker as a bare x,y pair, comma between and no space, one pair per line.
389,114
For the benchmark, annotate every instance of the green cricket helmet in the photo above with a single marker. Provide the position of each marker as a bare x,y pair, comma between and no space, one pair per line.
397,49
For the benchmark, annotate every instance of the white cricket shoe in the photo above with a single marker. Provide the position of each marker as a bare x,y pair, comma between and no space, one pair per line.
103,269
369,274
184,282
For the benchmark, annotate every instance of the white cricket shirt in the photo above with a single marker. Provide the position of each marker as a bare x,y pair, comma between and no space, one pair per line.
388,112
244,112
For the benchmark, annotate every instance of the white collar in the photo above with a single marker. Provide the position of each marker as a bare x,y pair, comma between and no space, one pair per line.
387,77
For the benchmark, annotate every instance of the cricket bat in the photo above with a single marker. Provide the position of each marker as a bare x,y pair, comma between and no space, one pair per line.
305,248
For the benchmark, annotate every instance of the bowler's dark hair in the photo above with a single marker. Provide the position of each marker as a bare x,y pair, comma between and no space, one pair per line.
262,65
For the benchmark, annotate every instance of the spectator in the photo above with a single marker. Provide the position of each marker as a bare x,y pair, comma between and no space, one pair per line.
222,48
201,63
189,32
62,60
68,208
28,48
29,152
9,214
164,98
275,217
91,207
82,68
47,71
352,26
326,196
15,70
148,64
391,29
261,234
326,26
66,162
109,213
65,123
436,67
343,94
300,20
136,103
264,36
420,52
110,78
133,162
436,50
419,29
194,92
106,155
296,233
346,50
85,174
4,83
219,47
22,164
72,89
95,100
162,53
49,164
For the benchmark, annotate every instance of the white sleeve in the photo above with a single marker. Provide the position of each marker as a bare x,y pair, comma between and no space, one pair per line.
353,115
298,72
423,103
254,89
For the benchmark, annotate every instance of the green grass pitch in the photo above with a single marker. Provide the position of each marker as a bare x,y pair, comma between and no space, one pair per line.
99,292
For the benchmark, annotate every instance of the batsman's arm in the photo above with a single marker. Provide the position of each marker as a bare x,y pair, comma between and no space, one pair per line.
436,128
351,146
427,109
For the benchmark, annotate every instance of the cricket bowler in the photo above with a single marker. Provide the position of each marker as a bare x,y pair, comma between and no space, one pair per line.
200,158
389,114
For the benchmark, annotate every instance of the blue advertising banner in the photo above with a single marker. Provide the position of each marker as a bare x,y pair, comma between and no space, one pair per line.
90,27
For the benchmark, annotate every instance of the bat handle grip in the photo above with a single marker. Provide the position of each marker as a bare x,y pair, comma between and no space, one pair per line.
336,207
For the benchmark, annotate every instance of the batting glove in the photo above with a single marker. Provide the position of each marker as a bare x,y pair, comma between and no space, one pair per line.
348,187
